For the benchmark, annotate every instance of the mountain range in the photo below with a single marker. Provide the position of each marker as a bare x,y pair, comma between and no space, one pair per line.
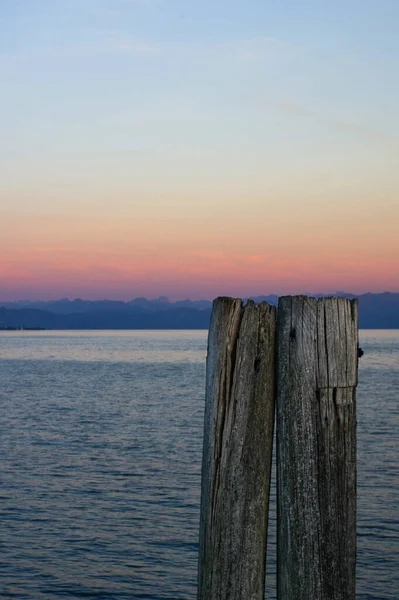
376,311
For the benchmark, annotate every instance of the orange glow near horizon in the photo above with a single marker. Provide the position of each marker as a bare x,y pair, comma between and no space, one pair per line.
43,258
143,154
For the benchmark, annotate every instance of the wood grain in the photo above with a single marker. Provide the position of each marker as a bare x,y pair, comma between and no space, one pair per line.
317,343
238,436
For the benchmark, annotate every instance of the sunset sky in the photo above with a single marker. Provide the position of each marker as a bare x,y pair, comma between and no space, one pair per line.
193,148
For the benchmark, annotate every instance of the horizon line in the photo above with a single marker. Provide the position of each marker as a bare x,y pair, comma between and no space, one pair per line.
167,300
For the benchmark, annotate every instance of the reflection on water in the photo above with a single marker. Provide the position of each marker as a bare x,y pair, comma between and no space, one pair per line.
105,346
101,439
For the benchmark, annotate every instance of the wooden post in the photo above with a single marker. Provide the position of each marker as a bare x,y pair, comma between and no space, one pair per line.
317,345
238,433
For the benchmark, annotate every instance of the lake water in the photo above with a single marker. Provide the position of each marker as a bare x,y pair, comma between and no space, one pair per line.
101,444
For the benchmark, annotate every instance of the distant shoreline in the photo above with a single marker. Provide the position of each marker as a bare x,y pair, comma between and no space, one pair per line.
376,311
23,329
47,330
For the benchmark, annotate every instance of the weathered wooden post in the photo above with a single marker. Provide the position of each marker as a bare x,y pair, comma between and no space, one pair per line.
317,345
236,466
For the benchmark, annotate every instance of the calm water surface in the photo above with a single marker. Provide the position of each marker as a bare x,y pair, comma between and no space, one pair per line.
101,443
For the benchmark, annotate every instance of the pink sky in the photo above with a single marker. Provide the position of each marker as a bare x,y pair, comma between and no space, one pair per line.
49,257
146,154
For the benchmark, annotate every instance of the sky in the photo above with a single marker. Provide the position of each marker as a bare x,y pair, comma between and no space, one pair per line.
196,148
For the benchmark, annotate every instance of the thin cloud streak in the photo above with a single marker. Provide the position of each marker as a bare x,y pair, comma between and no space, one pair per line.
102,42
355,129
260,48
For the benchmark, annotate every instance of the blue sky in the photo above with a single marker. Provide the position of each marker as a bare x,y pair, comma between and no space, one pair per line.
168,109
170,72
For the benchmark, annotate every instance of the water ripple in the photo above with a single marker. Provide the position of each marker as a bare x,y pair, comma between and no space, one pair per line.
101,439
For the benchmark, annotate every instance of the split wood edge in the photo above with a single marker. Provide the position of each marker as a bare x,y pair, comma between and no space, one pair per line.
316,372
238,438
317,360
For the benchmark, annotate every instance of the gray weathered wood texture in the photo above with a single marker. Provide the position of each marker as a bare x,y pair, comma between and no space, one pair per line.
317,343
238,434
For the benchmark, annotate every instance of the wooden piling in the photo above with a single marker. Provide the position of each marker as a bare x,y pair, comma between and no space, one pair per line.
317,342
238,435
